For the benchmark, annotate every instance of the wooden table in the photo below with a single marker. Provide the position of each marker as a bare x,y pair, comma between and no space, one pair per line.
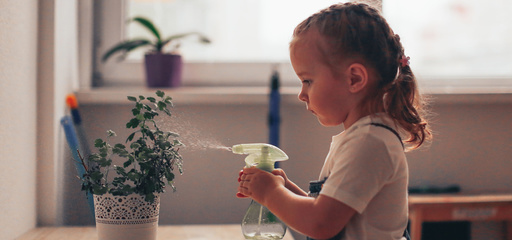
167,232
459,207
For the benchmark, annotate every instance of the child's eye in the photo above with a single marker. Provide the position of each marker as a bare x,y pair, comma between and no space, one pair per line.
306,82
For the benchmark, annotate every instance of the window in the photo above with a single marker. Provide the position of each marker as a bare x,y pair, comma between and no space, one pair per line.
242,31
455,38
249,38
464,42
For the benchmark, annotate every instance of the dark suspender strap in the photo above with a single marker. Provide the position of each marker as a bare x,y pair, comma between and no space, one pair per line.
390,129
406,233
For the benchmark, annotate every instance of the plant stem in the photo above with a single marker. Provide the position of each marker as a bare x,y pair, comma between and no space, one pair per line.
81,160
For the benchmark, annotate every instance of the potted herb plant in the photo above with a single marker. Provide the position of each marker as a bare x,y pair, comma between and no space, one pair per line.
126,197
163,62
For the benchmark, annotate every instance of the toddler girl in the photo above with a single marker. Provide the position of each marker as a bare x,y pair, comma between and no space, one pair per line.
353,72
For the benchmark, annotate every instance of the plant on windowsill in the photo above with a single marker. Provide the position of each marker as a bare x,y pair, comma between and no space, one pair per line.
131,195
163,62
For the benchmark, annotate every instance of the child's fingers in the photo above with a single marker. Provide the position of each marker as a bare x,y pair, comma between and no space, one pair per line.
241,191
241,195
279,172
240,175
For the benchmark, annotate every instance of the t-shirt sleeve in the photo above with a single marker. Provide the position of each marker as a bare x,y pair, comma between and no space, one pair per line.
360,169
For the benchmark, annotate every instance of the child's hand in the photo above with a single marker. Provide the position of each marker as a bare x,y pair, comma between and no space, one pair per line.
256,183
278,172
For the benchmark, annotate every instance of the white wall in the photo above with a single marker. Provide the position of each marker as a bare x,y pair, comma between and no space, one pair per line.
18,73
57,75
38,66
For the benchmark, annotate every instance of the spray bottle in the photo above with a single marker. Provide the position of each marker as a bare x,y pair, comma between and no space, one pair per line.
259,223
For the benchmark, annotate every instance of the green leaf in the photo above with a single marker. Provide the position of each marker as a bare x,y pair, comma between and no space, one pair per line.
117,151
151,99
149,115
96,176
139,105
135,145
125,47
177,142
149,188
149,25
160,93
169,176
130,138
127,164
118,181
131,98
141,97
202,39
151,136
150,197
120,170
162,105
99,190
133,123
105,162
94,157
98,143
126,189
165,145
119,146
172,134
133,176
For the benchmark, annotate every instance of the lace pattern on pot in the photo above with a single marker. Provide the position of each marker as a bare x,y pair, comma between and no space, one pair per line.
123,210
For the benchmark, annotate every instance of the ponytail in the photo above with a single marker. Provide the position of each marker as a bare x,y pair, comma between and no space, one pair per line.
403,103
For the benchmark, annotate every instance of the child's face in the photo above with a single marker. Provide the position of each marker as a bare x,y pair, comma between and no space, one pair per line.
326,94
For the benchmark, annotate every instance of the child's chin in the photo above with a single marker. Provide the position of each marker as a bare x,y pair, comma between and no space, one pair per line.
327,123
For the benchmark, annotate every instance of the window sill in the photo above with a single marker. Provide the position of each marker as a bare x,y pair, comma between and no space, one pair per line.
259,95
187,95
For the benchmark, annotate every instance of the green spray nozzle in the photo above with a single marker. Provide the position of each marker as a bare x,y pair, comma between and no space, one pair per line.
261,155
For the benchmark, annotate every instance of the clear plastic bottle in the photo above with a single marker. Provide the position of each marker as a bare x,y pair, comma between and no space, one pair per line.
259,223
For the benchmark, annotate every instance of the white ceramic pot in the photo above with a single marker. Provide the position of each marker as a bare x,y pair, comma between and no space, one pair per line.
126,217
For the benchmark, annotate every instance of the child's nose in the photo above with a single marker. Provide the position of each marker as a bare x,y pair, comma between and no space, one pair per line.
303,96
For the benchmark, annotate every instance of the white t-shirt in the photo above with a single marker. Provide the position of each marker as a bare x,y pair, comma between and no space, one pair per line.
366,169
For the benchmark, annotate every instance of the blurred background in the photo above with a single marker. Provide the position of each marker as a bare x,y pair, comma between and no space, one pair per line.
460,52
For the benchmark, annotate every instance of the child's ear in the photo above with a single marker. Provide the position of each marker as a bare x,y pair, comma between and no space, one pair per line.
358,77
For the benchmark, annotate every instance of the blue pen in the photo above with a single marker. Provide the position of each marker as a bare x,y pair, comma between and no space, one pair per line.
72,140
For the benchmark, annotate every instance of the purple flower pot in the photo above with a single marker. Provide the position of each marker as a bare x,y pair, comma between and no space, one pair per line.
163,70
